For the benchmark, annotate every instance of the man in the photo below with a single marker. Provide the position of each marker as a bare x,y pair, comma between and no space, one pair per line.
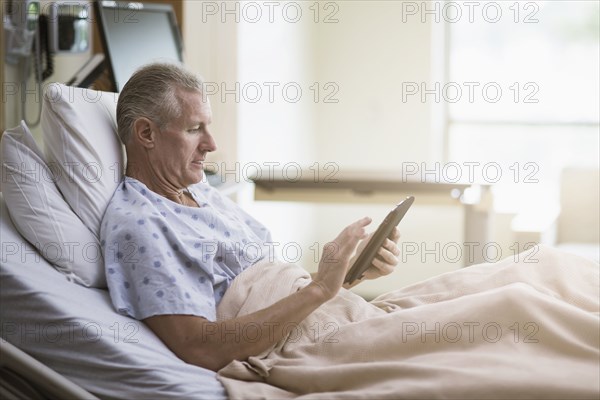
173,245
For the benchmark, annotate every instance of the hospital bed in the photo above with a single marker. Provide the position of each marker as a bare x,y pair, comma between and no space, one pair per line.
60,336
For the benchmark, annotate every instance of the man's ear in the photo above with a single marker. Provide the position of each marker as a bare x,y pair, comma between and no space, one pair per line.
144,132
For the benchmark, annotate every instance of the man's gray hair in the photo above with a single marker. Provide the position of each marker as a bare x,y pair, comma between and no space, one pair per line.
150,93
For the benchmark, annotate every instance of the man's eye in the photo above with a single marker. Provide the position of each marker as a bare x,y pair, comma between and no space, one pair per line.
199,128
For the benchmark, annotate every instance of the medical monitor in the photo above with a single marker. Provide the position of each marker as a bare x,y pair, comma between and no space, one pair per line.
134,34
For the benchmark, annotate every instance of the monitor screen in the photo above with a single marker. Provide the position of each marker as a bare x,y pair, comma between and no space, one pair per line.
134,34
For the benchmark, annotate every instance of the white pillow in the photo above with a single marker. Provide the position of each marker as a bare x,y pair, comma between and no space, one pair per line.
81,142
41,214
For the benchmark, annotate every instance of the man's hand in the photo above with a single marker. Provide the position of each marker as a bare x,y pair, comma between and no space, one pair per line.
386,260
335,261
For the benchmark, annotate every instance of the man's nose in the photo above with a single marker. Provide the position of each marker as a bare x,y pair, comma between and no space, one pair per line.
208,142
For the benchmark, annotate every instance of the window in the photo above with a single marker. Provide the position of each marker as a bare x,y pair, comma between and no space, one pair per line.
522,94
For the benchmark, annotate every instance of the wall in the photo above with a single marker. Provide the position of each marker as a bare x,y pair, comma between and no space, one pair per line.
277,61
211,51
369,53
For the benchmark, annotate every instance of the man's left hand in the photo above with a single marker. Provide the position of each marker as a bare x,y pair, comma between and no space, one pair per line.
386,259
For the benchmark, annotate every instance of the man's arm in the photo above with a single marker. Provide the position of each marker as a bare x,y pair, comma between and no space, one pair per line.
211,344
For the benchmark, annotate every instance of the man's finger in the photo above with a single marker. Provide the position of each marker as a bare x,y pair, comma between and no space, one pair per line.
392,247
387,256
384,268
395,236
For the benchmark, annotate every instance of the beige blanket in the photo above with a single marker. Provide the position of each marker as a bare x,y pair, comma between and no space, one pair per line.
525,329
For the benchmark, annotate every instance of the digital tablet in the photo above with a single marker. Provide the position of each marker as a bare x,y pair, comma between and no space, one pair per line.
365,259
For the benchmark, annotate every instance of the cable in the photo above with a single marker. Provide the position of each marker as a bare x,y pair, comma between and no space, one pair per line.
38,77
46,48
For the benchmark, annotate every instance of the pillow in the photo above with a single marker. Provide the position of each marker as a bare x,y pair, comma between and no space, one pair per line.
42,216
81,141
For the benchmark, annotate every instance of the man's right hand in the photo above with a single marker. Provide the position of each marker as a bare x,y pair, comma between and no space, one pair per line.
335,261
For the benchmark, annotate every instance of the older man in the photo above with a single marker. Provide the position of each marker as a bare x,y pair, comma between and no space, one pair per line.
173,245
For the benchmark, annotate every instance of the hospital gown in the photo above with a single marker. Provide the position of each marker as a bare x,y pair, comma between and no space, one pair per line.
165,258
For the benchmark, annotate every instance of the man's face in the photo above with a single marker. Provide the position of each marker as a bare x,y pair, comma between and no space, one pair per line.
182,145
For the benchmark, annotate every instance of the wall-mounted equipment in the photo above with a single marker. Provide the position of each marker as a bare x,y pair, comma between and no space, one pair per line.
34,32
20,23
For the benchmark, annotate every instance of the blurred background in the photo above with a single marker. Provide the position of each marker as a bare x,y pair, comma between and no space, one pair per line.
490,108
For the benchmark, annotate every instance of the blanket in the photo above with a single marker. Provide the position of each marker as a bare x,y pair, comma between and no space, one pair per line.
524,327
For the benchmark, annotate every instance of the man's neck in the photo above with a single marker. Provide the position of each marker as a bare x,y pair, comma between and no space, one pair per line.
154,182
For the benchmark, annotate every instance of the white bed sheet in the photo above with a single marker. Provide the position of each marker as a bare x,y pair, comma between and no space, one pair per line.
74,330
